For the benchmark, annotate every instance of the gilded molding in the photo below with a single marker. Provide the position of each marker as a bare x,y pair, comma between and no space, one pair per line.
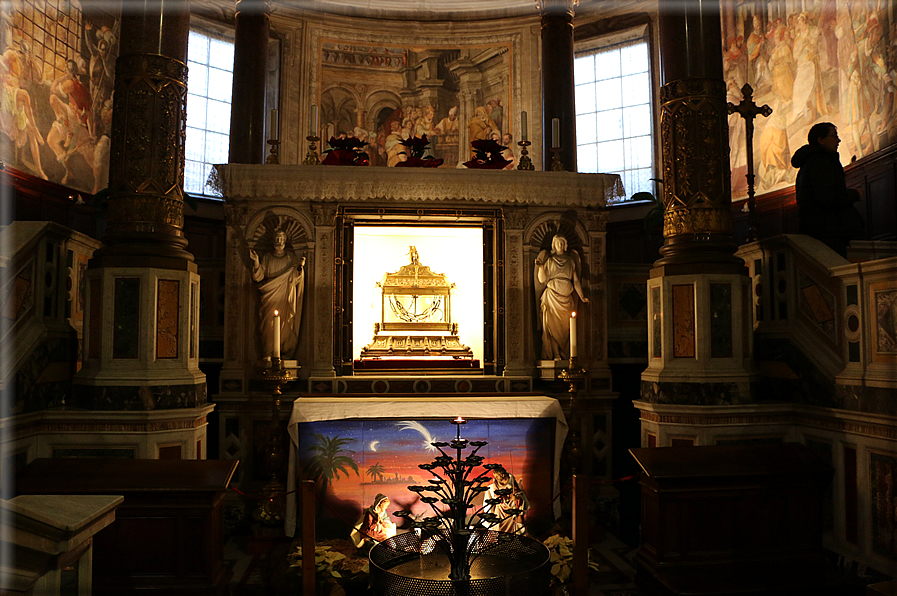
694,140
146,213
147,153
696,221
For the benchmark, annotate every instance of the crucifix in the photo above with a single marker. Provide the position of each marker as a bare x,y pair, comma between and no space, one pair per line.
750,110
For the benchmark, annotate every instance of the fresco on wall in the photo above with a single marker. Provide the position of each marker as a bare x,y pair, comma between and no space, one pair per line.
57,67
383,95
812,61
354,460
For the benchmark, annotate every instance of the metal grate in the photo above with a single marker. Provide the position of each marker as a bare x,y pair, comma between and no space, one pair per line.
502,564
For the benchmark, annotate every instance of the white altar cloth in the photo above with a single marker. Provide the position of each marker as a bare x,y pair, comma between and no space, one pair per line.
313,409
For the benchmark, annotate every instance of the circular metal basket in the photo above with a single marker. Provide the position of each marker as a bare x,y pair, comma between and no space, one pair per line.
502,564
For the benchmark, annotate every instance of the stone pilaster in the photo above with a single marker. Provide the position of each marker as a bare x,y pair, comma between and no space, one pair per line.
557,81
247,128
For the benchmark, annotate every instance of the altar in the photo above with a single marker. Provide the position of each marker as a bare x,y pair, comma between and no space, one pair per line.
386,439
420,285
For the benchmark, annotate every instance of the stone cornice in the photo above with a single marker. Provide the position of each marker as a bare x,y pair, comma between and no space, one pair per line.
366,184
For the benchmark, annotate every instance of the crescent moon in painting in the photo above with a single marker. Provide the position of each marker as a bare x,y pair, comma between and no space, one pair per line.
373,445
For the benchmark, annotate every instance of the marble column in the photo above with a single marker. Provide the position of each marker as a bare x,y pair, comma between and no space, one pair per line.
141,344
557,81
700,327
247,130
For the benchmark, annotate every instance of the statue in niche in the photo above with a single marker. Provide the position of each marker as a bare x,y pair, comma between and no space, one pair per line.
281,281
557,277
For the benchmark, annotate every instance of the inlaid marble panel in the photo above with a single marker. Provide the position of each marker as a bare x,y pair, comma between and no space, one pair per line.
167,318
684,321
126,318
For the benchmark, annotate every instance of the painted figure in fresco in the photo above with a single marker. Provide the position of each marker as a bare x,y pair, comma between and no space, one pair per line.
558,276
374,525
514,524
496,112
281,277
825,204
481,125
101,68
70,133
395,151
447,129
16,112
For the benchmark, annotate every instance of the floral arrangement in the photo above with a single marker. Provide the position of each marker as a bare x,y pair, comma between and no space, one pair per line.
333,570
487,155
345,152
418,146
561,549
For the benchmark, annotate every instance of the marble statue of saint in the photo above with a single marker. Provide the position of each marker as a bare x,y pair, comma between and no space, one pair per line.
281,277
557,278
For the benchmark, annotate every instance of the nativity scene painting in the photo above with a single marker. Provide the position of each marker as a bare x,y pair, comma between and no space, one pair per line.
416,92
362,468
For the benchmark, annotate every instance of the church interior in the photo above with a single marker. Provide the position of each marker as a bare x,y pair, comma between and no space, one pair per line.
263,260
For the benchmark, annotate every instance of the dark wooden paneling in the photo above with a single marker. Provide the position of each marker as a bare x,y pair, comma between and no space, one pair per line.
167,538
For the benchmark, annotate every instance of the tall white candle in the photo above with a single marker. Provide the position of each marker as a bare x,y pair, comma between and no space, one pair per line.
523,126
276,334
313,122
272,129
573,335
555,132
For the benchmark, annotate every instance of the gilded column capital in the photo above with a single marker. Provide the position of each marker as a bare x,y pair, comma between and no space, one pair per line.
694,129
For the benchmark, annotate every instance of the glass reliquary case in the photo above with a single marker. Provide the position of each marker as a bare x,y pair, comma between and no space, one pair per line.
416,329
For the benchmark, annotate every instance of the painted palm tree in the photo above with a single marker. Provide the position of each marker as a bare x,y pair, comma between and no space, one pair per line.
330,459
376,471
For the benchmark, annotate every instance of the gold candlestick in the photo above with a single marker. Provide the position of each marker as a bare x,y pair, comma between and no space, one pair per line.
556,165
311,158
525,162
272,156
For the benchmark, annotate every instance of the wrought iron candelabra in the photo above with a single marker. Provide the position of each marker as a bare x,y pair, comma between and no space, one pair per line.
273,504
572,375
450,530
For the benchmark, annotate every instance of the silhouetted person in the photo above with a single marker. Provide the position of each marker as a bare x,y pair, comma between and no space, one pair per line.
824,203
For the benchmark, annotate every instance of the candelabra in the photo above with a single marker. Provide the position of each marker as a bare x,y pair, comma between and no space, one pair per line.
449,530
525,162
572,375
311,158
556,165
273,505
273,155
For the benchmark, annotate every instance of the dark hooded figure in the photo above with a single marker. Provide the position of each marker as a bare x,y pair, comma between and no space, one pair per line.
824,203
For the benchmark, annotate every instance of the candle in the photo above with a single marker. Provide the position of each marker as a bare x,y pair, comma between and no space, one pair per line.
313,122
459,420
272,127
276,334
555,132
573,335
523,126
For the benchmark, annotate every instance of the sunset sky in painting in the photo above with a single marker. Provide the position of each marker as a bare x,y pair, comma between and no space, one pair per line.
524,446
